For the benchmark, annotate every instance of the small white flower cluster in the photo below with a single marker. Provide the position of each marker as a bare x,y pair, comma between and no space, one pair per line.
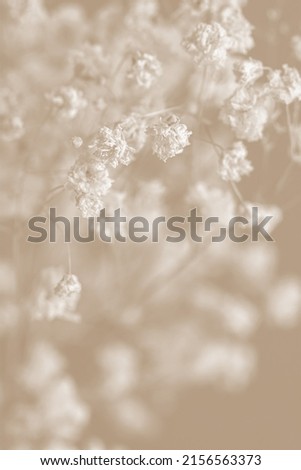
296,46
11,124
238,29
208,44
170,137
134,130
68,285
110,147
77,141
247,113
235,164
283,302
248,71
55,299
145,69
90,181
141,12
67,101
285,84
88,62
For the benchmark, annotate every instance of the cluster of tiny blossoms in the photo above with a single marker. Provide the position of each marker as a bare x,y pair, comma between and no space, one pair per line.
235,164
113,146
56,296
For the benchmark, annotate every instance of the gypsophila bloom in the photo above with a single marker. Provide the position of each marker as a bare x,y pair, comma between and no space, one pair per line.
145,69
67,101
11,124
238,29
283,302
208,44
285,84
89,204
28,10
212,6
141,11
87,175
248,71
212,200
296,46
273,211
247,113
235,164
88,62
110,147
56,296
134,129
77,142
170,137
68,285
90,181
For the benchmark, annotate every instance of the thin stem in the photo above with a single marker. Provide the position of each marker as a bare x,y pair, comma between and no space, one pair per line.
238,194
69,259
284,177
162,111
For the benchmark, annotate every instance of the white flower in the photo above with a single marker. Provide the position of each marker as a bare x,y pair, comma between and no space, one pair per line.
90,181
11,124
145,69
88,62
87,176
235,164
285,84
247,113
89,204
238,29
68,285
134,129
208,44
67,101
56,296
170,137
110,147
248,71
77,141
284,302
296,46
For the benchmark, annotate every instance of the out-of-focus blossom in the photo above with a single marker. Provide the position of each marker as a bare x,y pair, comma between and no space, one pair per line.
232,365
11,124
296,46
285,84
247,113
265,210
283,302
55,297
211,199
208,44
77,142
248,71
67,101
90,181
235,164
238,29
145,69
88,62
